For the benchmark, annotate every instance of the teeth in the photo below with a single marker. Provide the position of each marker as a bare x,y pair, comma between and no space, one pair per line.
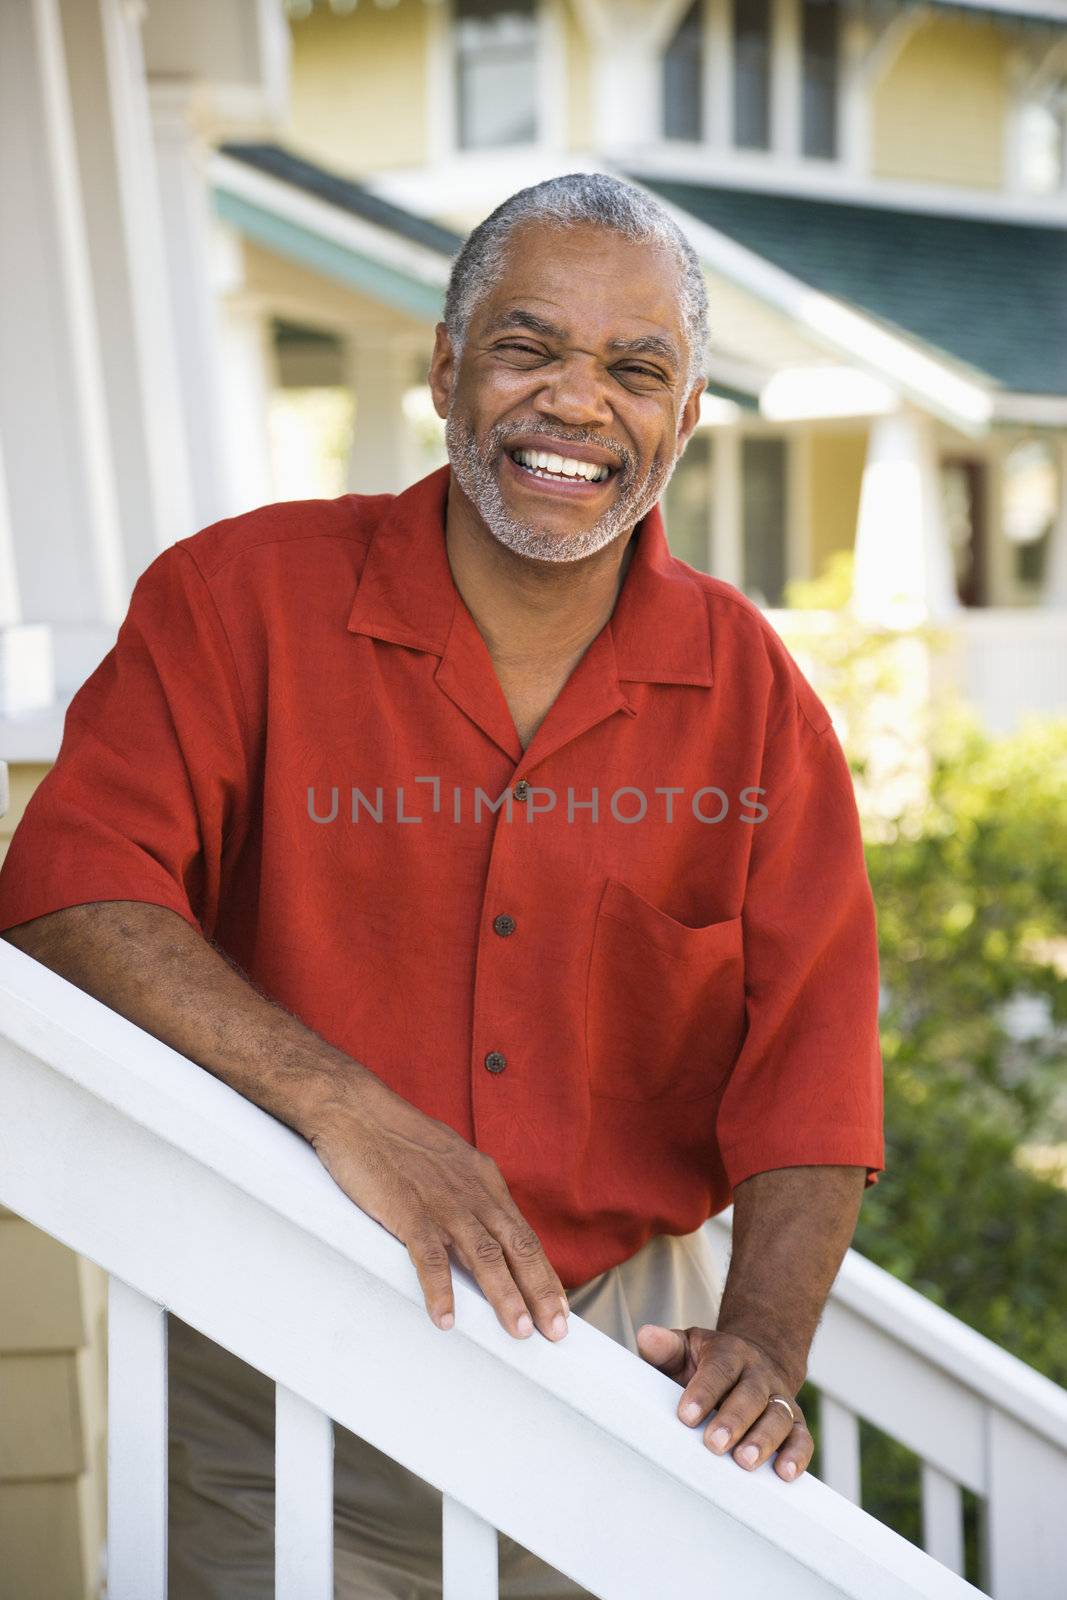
561,466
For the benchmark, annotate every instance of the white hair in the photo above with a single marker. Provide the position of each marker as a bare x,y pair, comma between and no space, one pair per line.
580,198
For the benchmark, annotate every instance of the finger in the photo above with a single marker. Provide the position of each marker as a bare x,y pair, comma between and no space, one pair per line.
767,1434
538,1283
429,1255
718,1366
795,1455
665,1348
483,1255
740,1410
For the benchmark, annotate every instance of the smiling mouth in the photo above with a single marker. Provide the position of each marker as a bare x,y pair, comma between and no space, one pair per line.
550,467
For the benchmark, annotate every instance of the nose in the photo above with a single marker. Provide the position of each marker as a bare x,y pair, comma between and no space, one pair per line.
576,394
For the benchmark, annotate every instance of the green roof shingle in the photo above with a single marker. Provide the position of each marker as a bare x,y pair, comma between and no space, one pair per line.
991,294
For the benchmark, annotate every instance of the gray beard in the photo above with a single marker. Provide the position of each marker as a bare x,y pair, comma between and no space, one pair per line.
474,472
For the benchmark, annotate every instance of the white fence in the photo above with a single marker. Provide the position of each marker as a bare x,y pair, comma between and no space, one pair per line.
195,1200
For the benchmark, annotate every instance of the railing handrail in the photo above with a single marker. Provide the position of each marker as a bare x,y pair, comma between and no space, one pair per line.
96,1109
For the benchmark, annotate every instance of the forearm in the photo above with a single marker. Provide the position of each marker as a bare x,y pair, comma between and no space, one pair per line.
791,1229
151,966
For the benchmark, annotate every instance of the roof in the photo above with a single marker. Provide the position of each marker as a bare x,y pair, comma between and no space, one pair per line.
991,294
345,193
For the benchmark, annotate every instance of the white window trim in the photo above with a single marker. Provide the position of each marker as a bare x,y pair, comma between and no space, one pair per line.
442,116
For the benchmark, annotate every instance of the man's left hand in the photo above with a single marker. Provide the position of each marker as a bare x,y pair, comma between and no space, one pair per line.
730,1373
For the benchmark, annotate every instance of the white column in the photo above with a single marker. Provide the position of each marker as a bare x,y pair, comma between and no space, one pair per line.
903,571
125,235
384,459
855,95
627,38
248,380
1056,582
719,73
727,534
53,416
785,79
191,248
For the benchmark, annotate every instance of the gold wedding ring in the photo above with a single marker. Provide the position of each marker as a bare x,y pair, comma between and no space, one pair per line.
782,1401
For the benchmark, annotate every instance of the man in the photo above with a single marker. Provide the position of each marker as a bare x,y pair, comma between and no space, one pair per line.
510,861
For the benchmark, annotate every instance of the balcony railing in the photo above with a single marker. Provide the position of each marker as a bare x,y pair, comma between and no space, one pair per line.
195,1201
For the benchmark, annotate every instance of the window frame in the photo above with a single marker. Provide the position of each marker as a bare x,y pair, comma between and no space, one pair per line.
443,101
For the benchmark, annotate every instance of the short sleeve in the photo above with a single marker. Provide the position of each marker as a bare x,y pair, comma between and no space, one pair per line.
151,782
806,1088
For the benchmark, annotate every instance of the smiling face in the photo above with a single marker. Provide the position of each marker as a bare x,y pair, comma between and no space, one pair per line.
568,408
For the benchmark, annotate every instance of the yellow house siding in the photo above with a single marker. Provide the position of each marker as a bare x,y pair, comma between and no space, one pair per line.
835,473
940,111
53,1380
23,779
358,99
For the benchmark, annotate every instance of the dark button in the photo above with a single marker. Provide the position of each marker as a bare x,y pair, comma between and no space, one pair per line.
521,790
495,1061
503,925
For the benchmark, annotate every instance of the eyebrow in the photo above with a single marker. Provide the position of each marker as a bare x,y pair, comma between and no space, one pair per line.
647,344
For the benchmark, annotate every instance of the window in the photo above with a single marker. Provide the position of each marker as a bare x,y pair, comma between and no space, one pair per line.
683,78
763,529
496,73
819,53
752,74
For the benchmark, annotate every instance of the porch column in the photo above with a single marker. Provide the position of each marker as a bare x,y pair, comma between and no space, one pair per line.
124,226
384,458
66,556
249,378
903,572
192,250
727,535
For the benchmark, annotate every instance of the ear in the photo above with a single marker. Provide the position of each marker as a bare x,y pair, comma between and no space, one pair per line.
690,413
442,373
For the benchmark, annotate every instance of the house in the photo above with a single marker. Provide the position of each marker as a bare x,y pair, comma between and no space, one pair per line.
227,236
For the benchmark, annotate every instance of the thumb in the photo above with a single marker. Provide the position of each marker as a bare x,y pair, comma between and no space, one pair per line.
662,1347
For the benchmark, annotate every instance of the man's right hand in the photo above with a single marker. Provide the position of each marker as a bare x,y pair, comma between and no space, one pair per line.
433,1191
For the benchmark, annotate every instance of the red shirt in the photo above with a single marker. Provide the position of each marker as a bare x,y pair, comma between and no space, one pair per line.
632,1008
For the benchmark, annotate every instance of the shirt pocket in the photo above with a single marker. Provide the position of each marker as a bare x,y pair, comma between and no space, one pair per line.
665,1005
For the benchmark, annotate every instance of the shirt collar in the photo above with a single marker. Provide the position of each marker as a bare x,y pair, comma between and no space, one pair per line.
407,595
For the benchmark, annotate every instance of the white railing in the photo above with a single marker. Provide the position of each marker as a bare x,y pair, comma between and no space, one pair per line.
196,1201
976,1417
1004,661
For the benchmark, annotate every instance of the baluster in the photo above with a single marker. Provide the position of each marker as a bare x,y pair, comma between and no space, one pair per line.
468,1554
303,1486
136,1445
942,1518
839,1448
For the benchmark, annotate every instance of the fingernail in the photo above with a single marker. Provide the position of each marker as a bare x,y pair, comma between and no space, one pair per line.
789,1470
445,1320
524,1325
720,1438
690,1411
559,1327
748,1454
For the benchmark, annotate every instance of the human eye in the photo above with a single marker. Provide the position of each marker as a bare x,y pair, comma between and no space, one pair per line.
521,349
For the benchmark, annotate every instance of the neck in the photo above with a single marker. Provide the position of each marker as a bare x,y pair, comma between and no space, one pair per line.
530,611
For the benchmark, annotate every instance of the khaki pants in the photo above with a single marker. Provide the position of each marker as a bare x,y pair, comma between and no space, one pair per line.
387,1521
